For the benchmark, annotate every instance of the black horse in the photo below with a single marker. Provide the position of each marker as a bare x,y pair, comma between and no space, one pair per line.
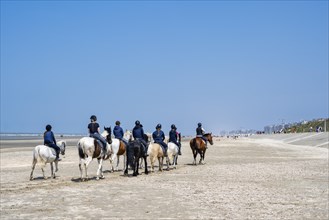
134,152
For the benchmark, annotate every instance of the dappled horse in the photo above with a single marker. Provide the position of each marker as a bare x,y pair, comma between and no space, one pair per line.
198,145
44,154
172,154
135,151
155,152
90,148
119,149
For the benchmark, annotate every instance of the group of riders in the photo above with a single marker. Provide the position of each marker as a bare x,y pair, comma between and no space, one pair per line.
137,132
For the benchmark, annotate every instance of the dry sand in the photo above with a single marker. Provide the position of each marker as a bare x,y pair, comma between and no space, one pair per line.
242,179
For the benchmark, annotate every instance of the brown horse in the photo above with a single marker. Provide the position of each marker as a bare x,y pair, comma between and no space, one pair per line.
198,145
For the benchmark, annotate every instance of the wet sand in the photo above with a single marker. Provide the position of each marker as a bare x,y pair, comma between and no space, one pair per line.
247,178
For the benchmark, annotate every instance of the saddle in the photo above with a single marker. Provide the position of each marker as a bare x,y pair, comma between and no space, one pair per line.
98,148
205,142
51,149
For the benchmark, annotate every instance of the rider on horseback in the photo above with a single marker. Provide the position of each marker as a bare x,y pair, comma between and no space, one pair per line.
158,137
174,136
50,141
94,131
200,132
138,134
118,133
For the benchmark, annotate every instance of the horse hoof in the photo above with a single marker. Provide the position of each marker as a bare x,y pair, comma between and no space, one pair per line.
31,178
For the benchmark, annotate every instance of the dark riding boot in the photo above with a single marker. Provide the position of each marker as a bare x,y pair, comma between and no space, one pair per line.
57,156
179,152
165,154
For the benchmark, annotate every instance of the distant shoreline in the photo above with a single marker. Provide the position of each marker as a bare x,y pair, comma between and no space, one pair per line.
34,136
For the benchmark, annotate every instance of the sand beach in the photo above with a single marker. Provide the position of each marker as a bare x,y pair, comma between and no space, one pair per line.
259,177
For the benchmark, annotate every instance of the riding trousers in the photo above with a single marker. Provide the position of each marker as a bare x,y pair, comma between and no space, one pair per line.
124,141
55,147
144,144
163,145
203,138
100,138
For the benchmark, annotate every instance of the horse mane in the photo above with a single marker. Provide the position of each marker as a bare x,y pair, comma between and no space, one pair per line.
207,134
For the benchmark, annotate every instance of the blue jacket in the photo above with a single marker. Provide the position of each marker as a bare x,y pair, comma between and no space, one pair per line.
138,132
158,136
49,138
172,136
118,132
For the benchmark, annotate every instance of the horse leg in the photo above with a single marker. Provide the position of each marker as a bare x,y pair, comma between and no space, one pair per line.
145,163
99,170
167,161
80,168
203,154
137,166
118,161
201,157
34,162
43,171
141,163
174,161
134,168
194,156
124,161
86,164
126,170
111,162
160,159
52,170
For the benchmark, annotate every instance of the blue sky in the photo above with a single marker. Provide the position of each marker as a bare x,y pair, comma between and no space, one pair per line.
230,65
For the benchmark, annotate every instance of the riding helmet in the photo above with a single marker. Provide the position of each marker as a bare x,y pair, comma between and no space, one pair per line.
137,122
117,123
158,126
48,127
173,126
199,124
93,117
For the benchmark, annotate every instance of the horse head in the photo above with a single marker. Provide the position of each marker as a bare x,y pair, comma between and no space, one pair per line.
209,138
62,146
107,134
128,135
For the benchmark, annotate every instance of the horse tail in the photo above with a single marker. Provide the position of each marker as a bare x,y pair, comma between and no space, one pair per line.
192,142
81,153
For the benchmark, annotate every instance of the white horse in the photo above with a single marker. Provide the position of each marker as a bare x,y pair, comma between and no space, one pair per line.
90,148
44,154
118,149
172,154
